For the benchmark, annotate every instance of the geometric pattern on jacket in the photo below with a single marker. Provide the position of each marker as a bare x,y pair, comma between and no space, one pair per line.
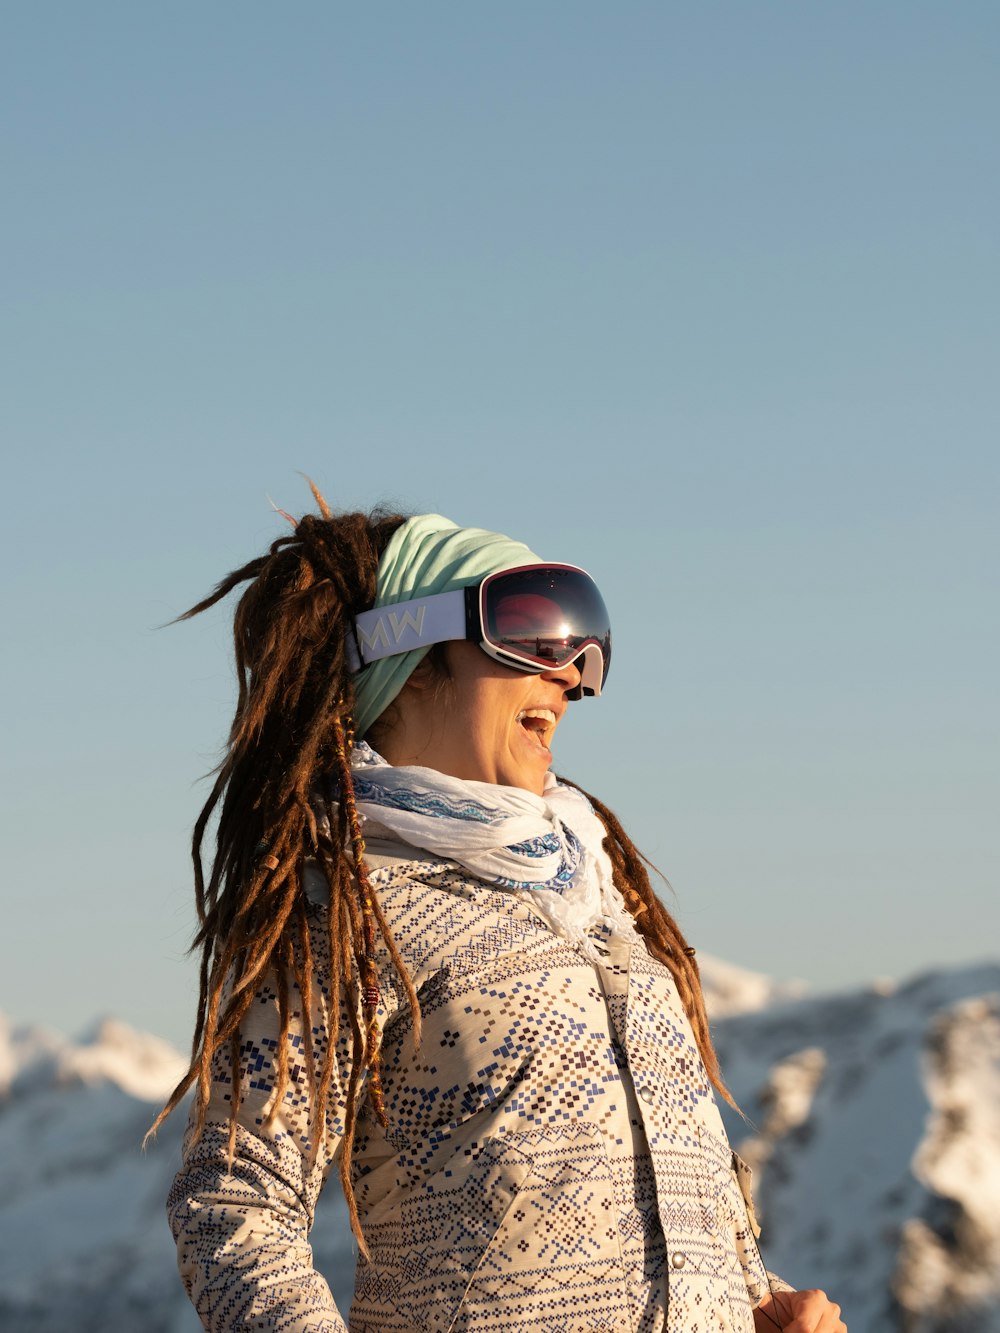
555,1159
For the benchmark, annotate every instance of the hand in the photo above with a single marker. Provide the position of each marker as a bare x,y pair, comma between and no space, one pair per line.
798,1312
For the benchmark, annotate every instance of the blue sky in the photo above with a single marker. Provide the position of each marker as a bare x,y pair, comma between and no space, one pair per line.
701,298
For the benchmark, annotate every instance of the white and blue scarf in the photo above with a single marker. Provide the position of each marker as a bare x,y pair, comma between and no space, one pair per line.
546,849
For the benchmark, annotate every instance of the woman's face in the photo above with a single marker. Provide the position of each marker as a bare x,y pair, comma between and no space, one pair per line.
487,723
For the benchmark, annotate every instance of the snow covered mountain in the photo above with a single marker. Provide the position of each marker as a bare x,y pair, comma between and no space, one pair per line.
877,1147
875,1139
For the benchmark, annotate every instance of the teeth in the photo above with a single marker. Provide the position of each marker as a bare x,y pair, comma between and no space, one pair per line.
546,715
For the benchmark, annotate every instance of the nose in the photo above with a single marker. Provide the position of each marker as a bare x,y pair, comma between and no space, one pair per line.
568,676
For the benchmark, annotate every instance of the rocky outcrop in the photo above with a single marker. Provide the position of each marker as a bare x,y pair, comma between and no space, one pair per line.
873,1126
948,1267
875,1137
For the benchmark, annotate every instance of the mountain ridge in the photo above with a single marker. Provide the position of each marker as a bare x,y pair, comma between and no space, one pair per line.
873,1127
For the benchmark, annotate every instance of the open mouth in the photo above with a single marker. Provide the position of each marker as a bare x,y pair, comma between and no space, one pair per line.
541,722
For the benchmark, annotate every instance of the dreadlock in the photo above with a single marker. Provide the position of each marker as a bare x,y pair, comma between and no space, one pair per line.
660,931
293,726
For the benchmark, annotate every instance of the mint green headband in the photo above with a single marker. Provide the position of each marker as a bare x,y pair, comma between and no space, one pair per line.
428,554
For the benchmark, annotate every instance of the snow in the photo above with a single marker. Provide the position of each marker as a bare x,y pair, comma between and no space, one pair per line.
735,990
873,1128
862,1171
144,1066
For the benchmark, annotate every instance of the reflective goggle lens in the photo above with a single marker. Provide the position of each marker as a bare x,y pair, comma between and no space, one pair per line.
545,615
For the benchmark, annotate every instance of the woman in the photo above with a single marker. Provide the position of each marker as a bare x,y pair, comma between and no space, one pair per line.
427,960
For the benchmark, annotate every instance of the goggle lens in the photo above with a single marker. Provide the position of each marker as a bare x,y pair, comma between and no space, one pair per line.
545,615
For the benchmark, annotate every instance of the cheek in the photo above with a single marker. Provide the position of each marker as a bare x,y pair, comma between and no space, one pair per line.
478,722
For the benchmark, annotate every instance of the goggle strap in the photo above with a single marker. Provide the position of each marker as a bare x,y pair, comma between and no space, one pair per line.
387,630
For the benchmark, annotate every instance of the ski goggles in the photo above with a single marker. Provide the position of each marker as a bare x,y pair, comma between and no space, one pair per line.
534,618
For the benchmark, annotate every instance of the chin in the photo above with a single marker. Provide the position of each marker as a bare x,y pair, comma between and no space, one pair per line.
524,776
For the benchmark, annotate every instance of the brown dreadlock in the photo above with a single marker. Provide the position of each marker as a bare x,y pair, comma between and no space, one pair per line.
293,727
661,933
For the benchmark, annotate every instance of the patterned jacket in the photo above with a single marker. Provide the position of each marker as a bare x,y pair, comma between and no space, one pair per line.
555,1159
